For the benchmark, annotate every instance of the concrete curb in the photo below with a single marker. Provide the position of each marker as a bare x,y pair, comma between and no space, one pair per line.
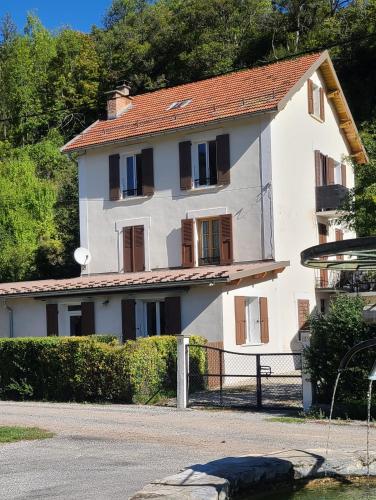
223,478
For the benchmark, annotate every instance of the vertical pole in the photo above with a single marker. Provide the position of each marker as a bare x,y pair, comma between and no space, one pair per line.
220,378
182,371
306,380
258,381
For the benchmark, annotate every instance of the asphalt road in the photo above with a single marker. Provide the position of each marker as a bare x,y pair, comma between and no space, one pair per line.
109,452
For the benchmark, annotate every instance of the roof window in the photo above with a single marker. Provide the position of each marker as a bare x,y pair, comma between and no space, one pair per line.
179,104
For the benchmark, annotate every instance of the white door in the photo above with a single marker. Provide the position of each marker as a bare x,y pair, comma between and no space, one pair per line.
253,321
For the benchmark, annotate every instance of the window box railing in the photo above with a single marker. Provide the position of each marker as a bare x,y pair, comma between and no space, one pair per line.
209,261
330,197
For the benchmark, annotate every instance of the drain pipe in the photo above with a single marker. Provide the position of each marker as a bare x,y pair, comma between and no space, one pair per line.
10,311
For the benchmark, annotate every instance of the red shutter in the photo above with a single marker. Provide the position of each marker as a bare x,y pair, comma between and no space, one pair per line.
330,170
187,242
138,249
303,314
322,105
128,249
223,159
264,320
310,96
147,172
114,177
318,168
240,321
185,163
225,239
173,316
88,318
128,319
52,319
343,174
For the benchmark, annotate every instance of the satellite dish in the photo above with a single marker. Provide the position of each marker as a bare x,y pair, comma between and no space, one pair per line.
82,256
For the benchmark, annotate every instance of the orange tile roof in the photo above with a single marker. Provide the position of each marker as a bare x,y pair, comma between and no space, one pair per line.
234,94
134,281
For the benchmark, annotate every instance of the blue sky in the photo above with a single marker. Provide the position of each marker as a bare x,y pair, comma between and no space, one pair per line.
79,14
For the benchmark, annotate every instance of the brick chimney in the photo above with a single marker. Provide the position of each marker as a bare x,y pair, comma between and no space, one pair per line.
117,101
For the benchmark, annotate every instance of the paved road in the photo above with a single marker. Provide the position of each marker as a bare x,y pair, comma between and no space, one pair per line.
109,452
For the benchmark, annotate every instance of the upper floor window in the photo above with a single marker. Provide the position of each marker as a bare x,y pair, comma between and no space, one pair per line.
208,241
133,249
205,164
130,176
316,100
329,171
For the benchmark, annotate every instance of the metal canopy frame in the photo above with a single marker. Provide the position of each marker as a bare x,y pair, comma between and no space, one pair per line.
361,253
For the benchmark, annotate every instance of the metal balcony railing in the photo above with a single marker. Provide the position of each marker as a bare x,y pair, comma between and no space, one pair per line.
330,197
347,281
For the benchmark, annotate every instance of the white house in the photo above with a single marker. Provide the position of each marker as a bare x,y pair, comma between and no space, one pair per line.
195,203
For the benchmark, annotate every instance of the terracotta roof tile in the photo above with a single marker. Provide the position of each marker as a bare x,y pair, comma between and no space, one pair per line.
234,94
149,279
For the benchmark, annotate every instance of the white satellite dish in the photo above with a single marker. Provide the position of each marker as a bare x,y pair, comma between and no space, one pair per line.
82,256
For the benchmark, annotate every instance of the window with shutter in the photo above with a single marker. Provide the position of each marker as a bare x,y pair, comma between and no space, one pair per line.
330,171
323,237
128,319
133,249
208,241
147,172
223,159
310,96
343,175
187,243
114,177
316,100
339,237
240,320
185,165
172,315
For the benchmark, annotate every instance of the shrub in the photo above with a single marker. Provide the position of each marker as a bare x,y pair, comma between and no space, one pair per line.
95,369
333,334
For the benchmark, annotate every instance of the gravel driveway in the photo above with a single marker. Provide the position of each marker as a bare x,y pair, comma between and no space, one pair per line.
108,451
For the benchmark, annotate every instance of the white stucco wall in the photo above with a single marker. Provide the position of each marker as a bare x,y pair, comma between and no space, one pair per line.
101,221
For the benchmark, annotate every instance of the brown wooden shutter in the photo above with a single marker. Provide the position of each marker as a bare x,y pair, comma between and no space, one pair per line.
240,321
310,96
318,168
323,237
339,237
223,159
225,240
52,319
172,316
128,249
114,177
303,314
264,320
322,105
323,233
128,319
185,163
330,170
138,249
187,243
147,172
343,174
88,318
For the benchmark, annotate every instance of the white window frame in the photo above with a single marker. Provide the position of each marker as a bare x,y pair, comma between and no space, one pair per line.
253,301
145,303
124,168
196,166
70,314
316,100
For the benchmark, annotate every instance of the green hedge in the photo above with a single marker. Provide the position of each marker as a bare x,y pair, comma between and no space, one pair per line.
95,369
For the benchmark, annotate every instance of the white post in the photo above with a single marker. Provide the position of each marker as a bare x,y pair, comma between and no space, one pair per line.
182,371
306,380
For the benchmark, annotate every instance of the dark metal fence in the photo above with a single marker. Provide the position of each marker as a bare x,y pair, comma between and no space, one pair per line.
241,380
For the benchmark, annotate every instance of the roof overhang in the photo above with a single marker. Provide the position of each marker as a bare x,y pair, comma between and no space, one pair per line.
335,94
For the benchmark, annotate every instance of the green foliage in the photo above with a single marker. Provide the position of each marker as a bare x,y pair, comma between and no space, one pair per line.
333,334
15,433
95,369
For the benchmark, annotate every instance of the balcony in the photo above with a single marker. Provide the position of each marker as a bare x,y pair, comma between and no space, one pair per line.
345,281
330,198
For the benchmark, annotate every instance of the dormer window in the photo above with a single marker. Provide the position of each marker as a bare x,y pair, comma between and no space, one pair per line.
316,101
179,104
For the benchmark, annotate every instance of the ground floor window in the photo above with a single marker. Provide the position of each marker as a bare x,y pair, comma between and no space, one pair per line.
75,320
253,320
154,317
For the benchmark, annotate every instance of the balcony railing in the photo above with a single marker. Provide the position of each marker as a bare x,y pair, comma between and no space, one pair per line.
347,281
330,197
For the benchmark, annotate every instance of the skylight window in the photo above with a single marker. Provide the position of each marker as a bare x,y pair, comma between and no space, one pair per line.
179,104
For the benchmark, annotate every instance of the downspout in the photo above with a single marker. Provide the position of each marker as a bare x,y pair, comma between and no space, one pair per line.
10,311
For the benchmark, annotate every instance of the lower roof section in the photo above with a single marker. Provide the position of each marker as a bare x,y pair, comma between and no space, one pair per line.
115,282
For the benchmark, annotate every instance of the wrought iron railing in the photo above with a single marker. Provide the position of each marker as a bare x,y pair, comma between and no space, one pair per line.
347,281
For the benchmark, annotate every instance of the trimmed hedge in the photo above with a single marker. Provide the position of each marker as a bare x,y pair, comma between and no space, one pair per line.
93,369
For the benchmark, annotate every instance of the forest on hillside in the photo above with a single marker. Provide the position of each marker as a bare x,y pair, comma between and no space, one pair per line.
53,84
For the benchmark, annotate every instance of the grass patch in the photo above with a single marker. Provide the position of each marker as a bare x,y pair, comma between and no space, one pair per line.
14,433
288,420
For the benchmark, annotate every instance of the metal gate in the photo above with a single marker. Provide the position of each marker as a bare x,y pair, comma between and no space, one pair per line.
217,377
